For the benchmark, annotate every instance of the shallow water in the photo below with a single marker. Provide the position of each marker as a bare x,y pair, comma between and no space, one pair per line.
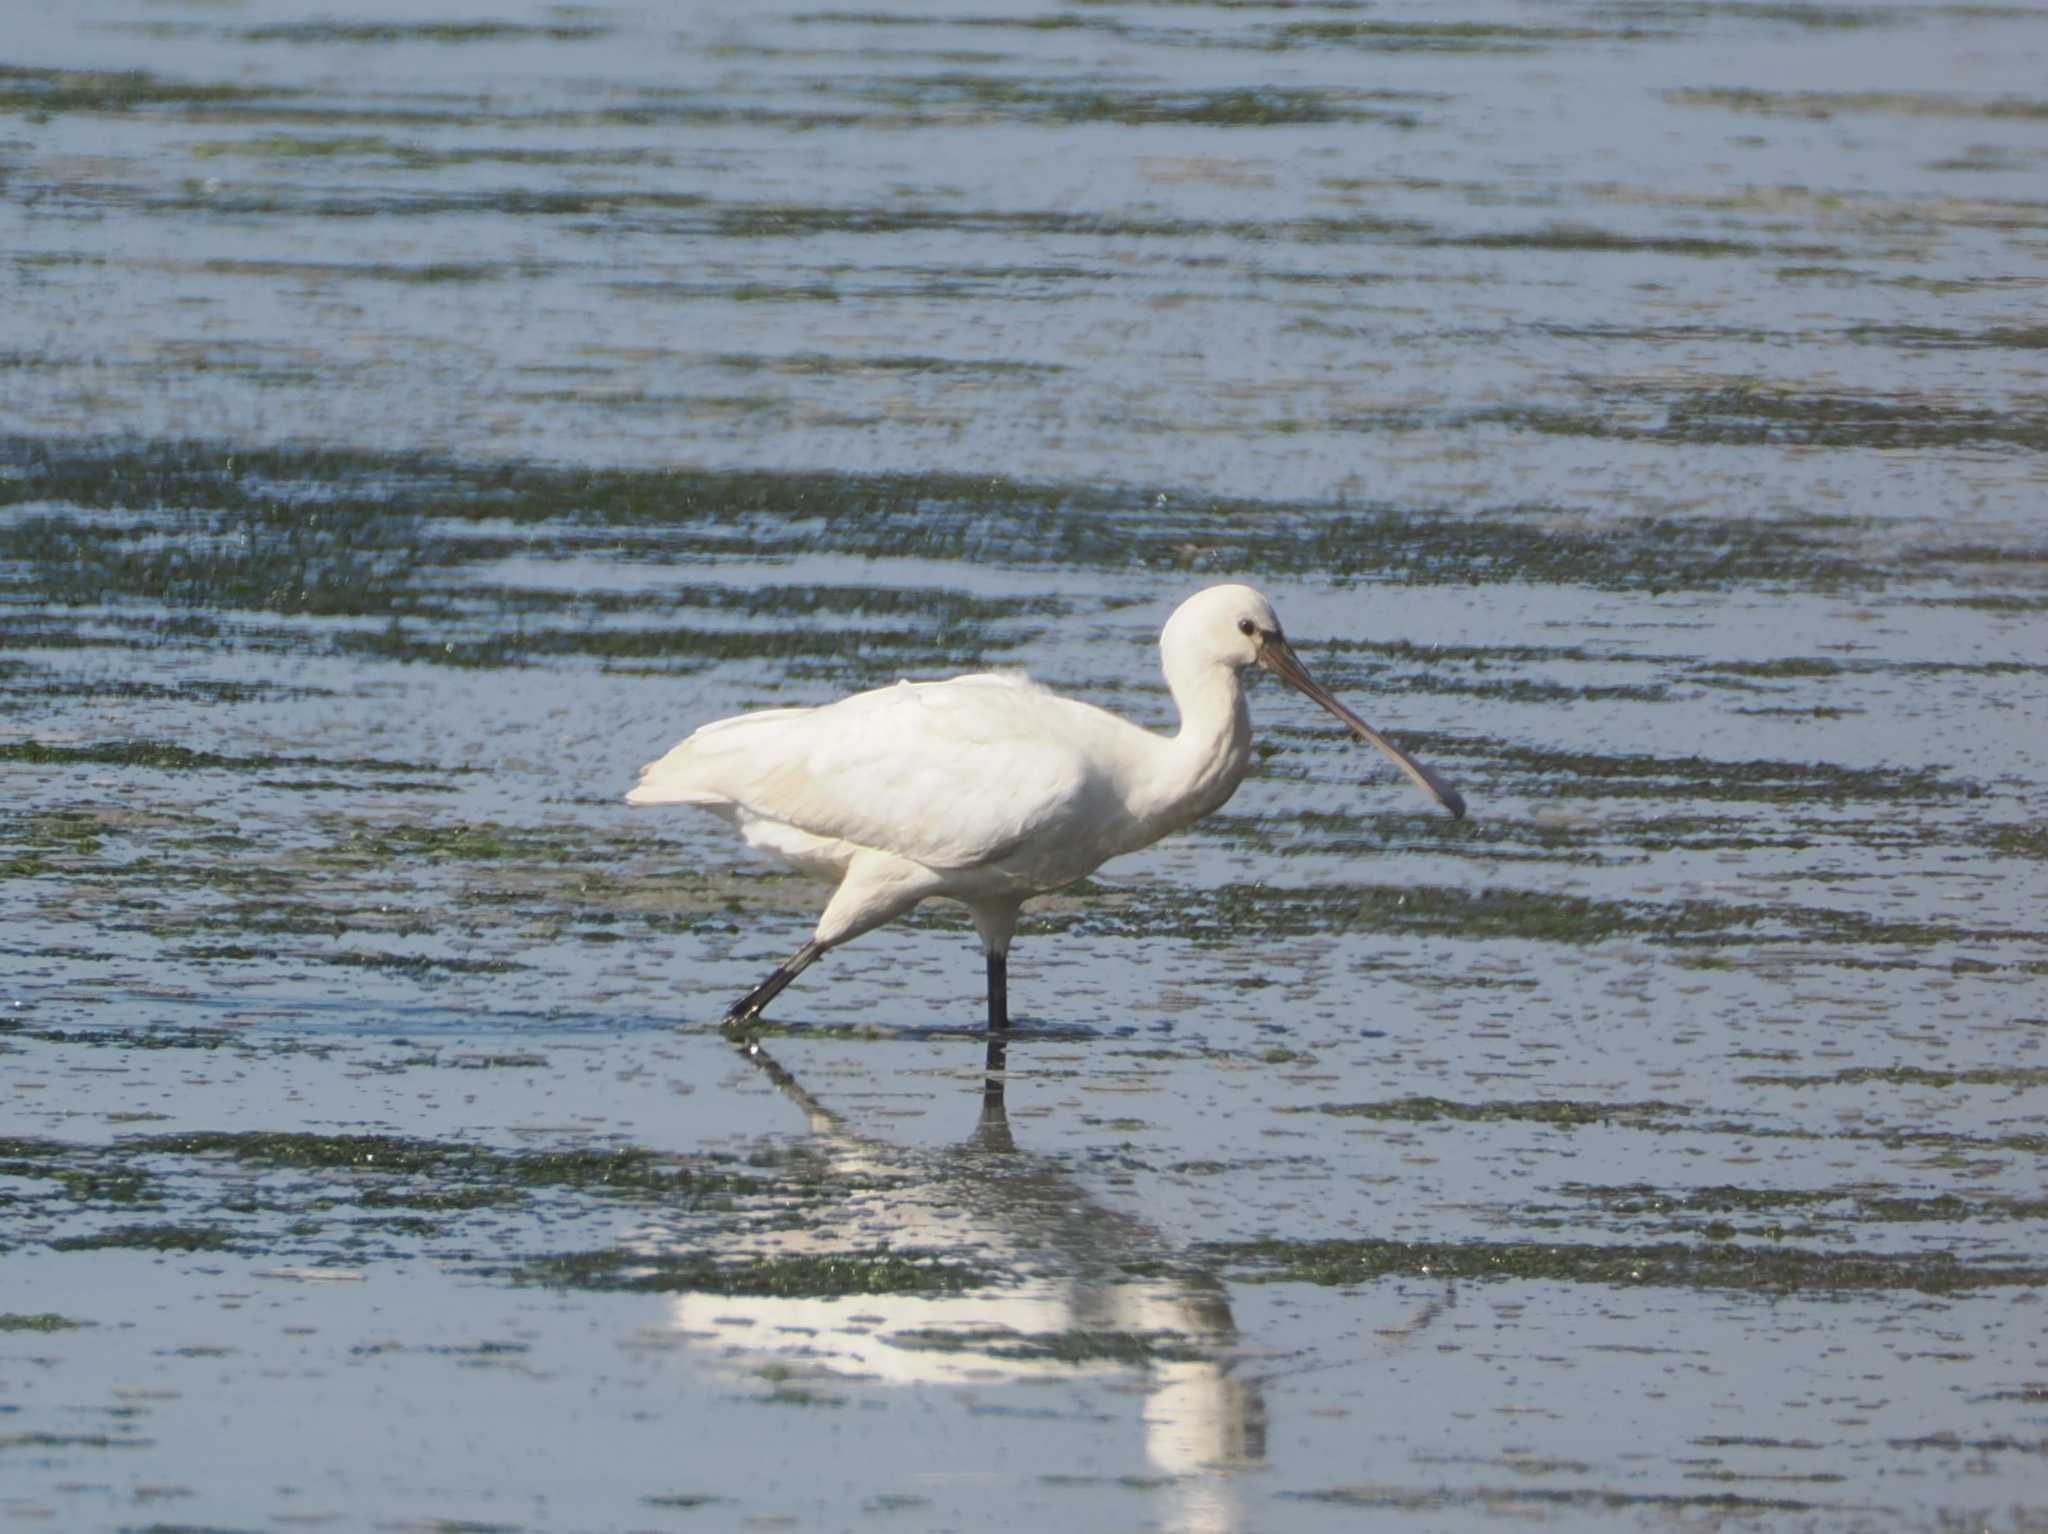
408,428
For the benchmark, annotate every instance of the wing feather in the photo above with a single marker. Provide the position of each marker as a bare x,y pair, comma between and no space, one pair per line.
949,774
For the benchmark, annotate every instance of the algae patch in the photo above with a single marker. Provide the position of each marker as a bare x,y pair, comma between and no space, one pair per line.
42,92
150,1238
1825,104
328,1200
1771,1270
811,1276
340,535
625,1171
1226,913
386,33
1557,1115
1076,1347
163,756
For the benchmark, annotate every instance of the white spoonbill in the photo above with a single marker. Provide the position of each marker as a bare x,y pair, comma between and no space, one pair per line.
989,789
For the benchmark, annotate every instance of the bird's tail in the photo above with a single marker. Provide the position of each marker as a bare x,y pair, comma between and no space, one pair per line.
696,771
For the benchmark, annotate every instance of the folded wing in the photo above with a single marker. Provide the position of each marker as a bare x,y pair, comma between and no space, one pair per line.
948,774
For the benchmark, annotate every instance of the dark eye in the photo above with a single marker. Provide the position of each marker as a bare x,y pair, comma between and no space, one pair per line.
1246,627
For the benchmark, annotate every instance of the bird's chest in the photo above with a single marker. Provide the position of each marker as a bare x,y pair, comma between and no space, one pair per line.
1201,787
1212,789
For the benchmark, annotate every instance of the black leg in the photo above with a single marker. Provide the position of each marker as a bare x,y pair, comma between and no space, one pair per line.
998,993
749,1006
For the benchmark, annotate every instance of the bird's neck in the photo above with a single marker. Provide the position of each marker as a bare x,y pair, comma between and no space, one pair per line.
1207,759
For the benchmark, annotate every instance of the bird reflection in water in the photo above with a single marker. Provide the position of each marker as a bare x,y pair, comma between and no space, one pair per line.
1066,1306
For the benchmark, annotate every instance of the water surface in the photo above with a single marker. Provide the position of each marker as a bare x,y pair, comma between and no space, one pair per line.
410,426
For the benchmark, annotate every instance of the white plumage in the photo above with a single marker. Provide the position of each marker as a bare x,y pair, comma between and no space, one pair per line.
987,789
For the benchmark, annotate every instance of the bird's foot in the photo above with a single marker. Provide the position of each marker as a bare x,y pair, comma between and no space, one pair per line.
747,1010
741,1028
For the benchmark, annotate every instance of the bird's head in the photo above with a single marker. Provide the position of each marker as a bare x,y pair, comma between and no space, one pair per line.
1227,626
1235,627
